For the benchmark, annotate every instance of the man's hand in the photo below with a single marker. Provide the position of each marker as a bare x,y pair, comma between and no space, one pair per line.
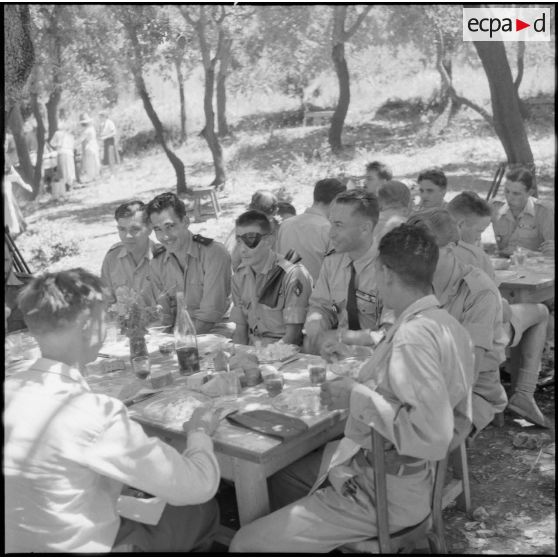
205,418
314,325
547,248
331,349
337,393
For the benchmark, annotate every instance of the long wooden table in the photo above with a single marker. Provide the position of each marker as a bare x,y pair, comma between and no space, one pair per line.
533,282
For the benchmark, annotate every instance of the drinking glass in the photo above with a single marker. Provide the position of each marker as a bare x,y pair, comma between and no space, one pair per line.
141,367
273,384
317,374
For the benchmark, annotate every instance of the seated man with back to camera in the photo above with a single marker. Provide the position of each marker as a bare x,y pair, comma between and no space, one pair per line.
194,264
344,305
415,391
394,200
127,263
68,452
525,323
473,299
270,294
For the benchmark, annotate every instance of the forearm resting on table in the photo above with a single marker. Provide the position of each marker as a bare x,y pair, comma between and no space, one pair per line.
293,334
241,334
203,326
363,337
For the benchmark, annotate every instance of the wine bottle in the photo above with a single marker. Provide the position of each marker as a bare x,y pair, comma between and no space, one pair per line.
185,339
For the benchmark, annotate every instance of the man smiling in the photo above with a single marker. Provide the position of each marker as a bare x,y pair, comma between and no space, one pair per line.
191,263
254,319
127,262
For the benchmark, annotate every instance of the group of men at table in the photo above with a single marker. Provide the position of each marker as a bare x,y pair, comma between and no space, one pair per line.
415,286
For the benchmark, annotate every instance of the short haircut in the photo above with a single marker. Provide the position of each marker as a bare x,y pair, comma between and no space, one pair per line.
364,203
435,175
254,217
53,301
467,204
440,224
264,201
168,200
285,208
394,193
411,252
326,189
521,174
381,169
129,209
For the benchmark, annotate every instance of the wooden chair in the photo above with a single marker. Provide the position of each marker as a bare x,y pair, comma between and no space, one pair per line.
458,487
207,192
430,529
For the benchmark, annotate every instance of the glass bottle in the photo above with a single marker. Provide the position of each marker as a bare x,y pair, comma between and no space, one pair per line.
185,339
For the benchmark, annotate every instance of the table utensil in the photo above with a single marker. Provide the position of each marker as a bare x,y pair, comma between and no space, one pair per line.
139,398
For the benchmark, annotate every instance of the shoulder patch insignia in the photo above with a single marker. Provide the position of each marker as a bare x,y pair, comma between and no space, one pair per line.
332,251
157,250
203,240
298,287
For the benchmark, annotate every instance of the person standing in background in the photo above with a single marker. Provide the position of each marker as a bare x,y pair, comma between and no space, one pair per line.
90,163
108,135
63,143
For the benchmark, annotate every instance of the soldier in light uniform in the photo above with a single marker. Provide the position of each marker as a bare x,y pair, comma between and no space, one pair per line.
198,266
127,263
522,220
473,299
415,391
432,186
345,306
254,319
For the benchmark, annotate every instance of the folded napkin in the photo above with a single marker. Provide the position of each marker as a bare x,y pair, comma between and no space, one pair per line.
269,423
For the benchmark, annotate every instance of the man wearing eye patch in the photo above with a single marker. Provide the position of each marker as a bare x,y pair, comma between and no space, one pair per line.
196,265
254,319
128,261
345,306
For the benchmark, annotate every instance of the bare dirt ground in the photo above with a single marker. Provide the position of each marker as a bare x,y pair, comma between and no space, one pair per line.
513,486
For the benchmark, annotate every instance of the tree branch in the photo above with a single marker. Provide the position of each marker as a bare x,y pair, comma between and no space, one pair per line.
520,66
458,98
351,31
186,15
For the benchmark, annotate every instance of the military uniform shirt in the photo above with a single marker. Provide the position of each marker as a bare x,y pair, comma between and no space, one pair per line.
308,235
329,297
292,305
533,226
473,299
119,269
475,255
206,280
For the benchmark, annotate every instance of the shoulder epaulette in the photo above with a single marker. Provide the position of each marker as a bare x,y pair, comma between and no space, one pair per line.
115,246
157,250
332,251
202,239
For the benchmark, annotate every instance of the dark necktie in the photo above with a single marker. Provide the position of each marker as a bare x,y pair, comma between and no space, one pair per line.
352,308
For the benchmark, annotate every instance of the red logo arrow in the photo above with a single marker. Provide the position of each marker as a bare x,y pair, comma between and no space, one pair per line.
519,25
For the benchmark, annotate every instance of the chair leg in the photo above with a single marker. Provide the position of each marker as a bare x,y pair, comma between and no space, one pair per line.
461,472
215,203
437,544
197,208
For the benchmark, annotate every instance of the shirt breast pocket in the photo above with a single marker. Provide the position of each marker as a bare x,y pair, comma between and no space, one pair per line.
369,304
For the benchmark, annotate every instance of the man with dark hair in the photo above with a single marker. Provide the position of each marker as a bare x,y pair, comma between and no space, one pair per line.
127,263
308,234
394,199
345,297
285,210
432,185
377,174
68,452
525,323
472,298
522,220
255,319
415,391
196,265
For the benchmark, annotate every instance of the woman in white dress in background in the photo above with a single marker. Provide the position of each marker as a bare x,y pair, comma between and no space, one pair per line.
90,161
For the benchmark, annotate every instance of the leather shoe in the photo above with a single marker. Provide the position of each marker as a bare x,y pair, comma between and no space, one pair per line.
525,406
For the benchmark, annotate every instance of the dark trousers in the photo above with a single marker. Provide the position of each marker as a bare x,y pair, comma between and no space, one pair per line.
180,529
106,145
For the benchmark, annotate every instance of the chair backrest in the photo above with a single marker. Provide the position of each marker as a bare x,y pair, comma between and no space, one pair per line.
20,265
380,484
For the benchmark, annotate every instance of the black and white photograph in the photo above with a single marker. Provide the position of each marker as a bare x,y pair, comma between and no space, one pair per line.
279,278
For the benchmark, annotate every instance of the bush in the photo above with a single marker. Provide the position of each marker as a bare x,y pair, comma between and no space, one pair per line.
44,244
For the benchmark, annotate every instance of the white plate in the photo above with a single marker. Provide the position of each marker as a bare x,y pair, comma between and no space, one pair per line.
349,367
299,402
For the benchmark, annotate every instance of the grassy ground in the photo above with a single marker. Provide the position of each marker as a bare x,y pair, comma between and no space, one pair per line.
514,486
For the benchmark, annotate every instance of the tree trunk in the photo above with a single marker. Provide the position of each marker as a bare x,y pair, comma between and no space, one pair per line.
338,118
52,111
175,161
221,92
38,175
16,126
180,79
209,129
508,122
519,78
